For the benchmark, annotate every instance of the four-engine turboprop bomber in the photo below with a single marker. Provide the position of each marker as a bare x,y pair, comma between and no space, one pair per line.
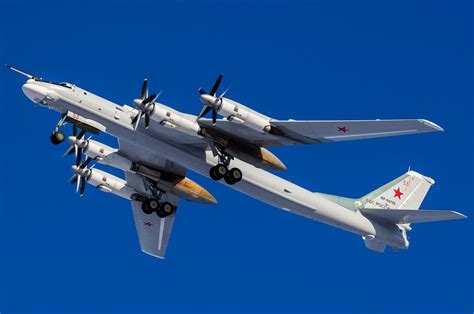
157,146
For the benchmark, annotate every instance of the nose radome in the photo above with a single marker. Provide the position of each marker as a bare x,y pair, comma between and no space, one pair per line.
34,92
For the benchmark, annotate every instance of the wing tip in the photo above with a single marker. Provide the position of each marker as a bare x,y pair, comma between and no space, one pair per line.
459,215
432,125
154,255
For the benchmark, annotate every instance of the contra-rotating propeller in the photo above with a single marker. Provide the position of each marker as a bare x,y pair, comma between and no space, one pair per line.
77,145
145,105
81,173
210,101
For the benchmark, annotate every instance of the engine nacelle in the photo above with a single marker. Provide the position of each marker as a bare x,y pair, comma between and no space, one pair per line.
174,120
240,114
253,154
168,182
106,155
107,182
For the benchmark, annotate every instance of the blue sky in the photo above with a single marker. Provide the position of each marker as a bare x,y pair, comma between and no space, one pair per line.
287,59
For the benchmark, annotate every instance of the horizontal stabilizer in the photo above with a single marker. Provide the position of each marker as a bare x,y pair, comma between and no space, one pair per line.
407,216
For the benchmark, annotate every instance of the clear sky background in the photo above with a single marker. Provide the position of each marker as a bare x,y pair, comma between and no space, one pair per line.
287,59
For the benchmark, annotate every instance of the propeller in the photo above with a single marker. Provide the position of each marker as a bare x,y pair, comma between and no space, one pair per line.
77,145
210,101
145,105
81,173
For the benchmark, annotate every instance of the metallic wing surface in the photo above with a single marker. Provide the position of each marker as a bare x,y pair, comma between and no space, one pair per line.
409,216
153,232
137,153
293,132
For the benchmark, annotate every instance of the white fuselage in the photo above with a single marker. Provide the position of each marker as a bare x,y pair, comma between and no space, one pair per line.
256,182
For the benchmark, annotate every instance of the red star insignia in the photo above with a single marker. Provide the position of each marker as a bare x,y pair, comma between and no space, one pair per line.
147,223
342,129
398,193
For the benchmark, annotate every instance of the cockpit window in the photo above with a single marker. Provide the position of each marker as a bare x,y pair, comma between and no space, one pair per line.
65,84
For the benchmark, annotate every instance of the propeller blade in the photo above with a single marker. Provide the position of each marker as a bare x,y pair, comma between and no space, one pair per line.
82,186
150,99
214,116
201,91
223,94
78,156
147,120
78,182
69,151
144,92
74,130
205,109
85,163
216,85
72,179
136,117
136,120
81,134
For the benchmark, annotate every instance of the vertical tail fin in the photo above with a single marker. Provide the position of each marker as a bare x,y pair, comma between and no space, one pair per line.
405,192
392,208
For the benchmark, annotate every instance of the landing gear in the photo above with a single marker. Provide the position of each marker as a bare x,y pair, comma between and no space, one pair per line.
233,176
218,171
154,204
150,205
57,137
165,210
221,170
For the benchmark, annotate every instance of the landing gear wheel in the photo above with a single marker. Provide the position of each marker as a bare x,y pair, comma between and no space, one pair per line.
233,176
57,137
167,208
150,205
146,209
213,174
218,171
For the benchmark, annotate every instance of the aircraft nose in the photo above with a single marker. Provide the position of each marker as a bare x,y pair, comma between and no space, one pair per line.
34,92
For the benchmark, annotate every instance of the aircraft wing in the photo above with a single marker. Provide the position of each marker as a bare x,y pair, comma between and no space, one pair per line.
291,132
409,216
153,231
136,153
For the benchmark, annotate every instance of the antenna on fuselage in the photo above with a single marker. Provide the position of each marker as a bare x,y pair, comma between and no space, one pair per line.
23,73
